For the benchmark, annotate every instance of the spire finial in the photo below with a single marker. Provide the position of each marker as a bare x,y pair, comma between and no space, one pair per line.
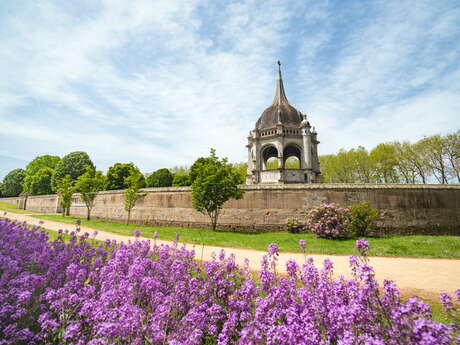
280,96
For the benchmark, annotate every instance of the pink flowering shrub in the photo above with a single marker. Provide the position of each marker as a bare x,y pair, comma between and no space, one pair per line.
139,293
329,221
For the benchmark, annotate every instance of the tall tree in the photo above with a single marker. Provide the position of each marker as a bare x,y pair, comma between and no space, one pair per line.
160,178
362,165
452,151
117,174
385,160
181,180
215,183
12,183
65,190
196,167
405,161
36,181
74,164
132,194
434,148
89,184
40,182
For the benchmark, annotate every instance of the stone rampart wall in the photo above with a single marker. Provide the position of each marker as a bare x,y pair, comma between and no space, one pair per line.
405,209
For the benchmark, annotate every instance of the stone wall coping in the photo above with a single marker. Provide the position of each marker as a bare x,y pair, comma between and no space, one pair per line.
11,198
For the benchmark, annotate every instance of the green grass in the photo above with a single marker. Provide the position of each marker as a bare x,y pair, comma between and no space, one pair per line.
401,246
4,206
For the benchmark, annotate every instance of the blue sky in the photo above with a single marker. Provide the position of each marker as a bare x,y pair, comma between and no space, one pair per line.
158,82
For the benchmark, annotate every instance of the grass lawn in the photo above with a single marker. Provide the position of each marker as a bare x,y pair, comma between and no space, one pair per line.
402,246
4,206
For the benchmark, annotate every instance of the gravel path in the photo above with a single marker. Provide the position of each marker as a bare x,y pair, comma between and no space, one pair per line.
414,276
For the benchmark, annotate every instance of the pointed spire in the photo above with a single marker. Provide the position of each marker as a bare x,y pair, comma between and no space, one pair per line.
280,96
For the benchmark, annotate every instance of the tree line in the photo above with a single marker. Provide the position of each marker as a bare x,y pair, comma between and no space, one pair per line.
433,159
213,181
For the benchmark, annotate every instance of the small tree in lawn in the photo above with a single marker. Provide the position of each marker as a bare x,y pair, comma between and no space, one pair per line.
215,183
132,194
65,191
89,184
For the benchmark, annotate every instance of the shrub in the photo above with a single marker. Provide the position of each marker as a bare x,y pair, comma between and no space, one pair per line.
139,293
362,218
294,226
329,221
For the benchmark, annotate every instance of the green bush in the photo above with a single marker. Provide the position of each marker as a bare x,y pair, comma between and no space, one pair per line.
362,218
294,226
160,178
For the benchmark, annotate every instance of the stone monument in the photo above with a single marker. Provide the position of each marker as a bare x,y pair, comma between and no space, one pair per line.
282,148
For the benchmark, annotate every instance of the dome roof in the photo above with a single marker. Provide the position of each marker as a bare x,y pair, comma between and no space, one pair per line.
280,112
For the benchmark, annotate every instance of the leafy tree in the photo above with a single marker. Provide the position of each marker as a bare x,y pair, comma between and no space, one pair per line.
434,149
181,180
40,182
66,188
74,164
117,174
362,165
242,169
36,180
385,160
160,178
196,167
12,183
452,152
181,170
132,194
89,184
215,183
405,161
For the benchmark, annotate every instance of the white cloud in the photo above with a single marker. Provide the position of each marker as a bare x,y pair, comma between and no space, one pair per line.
159,83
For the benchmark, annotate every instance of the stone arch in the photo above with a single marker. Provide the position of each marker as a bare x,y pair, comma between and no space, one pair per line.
269,157
292,155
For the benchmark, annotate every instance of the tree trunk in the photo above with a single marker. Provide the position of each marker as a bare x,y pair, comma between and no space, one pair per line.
88,214
129,217
67,211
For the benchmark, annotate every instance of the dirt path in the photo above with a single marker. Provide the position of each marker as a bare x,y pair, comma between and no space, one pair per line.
414,276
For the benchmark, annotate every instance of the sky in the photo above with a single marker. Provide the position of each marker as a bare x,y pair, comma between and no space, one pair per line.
158,83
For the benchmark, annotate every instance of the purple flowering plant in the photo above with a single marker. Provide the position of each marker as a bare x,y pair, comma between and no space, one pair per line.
329,220
69,292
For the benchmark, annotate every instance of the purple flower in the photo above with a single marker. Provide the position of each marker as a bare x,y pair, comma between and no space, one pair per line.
78,222
302,244
137,233
177,237
446,301
273,249
155,235
74,293
362,246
